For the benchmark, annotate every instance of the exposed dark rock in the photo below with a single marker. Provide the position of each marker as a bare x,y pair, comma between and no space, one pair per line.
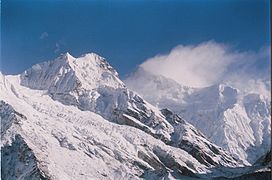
19,162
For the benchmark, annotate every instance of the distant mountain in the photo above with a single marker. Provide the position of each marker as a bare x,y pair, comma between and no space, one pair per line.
236,120
73,118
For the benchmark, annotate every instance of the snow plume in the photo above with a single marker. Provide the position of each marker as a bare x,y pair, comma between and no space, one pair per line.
209,63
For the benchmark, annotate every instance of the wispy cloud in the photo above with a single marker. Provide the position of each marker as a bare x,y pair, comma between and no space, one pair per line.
44,35
209,63
57,47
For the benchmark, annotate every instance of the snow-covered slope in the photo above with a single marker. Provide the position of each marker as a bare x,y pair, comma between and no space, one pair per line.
233,119
90,83
188,138
73,118
63,142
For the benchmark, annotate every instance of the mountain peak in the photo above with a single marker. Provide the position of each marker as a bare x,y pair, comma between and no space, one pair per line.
81,94
92,55
66,72
87,57
66,56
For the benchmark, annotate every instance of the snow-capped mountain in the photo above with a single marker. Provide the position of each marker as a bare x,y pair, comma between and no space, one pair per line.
73,118
233,119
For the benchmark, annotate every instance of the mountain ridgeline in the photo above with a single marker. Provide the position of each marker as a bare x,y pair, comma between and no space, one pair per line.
73,118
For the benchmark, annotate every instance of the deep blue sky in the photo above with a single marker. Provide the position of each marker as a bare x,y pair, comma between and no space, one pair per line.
126,33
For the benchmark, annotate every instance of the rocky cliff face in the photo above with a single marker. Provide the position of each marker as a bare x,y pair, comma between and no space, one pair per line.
19,161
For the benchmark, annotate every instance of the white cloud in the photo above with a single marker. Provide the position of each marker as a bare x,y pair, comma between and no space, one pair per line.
209,63
44,35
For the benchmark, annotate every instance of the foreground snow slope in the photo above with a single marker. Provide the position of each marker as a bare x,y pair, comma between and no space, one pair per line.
67,143
235,120
61,117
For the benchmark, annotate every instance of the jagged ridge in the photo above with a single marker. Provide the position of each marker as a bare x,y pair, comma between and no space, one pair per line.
54,94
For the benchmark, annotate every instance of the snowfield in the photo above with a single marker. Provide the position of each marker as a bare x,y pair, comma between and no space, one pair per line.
73,118
237,120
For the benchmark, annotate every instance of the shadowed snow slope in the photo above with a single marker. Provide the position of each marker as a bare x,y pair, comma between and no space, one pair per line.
235,120
73,118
